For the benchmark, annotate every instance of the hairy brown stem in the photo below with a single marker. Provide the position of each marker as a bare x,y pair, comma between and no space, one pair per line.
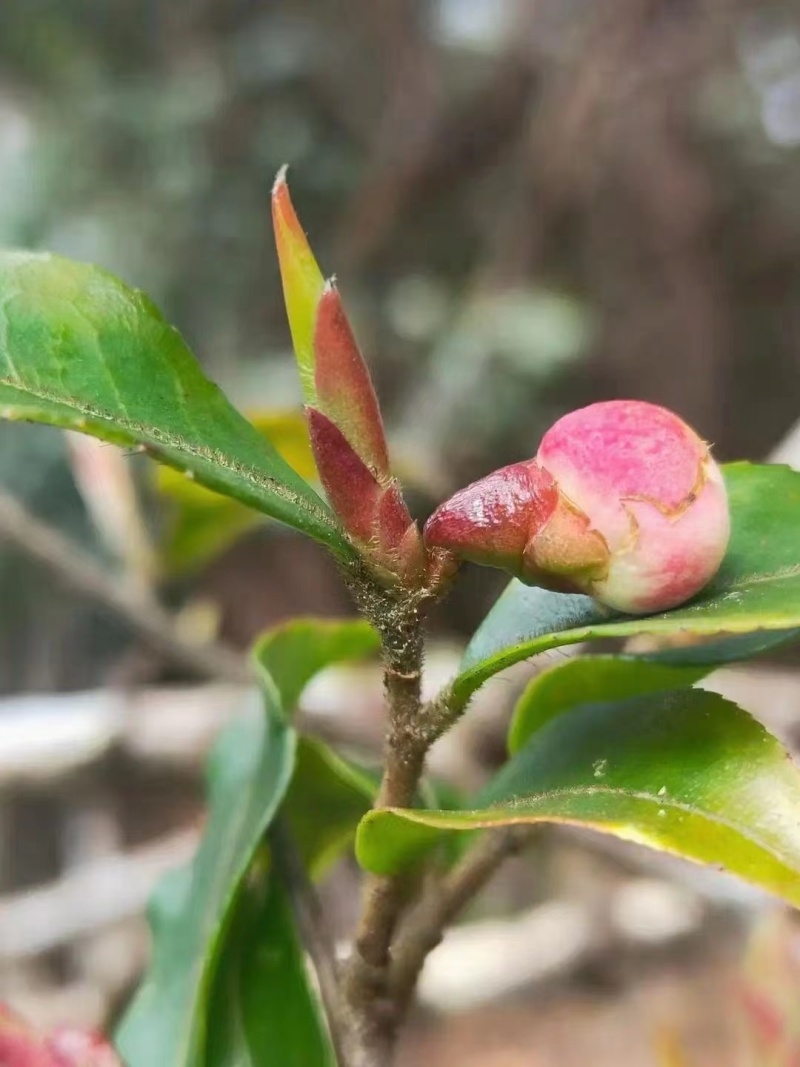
425,926
367,978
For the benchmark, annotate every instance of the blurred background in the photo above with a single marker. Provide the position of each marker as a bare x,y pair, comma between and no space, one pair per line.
530,205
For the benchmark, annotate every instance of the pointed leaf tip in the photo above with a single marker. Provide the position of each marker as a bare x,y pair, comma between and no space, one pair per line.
280,178
302,280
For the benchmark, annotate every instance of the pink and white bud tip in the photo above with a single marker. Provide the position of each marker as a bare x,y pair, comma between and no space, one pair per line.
623,502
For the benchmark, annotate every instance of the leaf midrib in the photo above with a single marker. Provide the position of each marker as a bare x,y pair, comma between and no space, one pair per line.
481,821
162,438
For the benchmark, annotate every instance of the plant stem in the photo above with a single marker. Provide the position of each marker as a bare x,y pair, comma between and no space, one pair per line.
382,972
367,978
425,926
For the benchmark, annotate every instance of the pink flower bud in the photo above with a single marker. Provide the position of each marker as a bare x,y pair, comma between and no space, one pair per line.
622,502
22,1046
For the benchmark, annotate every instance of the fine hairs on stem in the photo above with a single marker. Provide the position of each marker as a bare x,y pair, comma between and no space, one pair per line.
396,929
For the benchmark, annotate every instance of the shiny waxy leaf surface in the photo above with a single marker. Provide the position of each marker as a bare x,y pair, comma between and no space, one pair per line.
682,771
193,908
79,349
603,678
597,678
757,588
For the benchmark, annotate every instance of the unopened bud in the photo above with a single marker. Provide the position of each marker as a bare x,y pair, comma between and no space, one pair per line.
623,501
22,1046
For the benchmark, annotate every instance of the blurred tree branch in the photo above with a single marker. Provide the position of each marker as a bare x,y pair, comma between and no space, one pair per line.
28,534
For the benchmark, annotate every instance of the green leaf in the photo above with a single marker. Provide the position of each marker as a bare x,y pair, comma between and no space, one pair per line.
198,533
290,655
576,681
79,349
202,524
249,772
191,912
594,678
326,800
757,588
685,772
264,1006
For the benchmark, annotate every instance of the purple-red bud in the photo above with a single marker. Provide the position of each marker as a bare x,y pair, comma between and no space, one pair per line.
623,501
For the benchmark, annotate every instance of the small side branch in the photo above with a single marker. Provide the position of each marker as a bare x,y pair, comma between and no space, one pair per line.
41,542
425,926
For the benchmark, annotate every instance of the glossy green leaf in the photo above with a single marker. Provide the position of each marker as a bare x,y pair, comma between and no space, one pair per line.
263,1005
249,774
591,678
326,800
757,588
685,772
586,679
79,349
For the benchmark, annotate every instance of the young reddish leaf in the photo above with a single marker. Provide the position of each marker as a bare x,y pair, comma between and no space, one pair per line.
344,387
393,519
344,418
302,279
352,489
373,514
